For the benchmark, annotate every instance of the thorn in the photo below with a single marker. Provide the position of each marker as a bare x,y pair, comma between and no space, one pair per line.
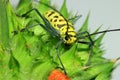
115,60
85,67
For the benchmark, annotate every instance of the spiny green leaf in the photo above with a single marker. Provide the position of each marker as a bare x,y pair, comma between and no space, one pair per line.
93,36
1,50
4,69
97,59
94,71
104,76
64,10
13,21
20,51
70,52
23,6
42,7
4,24
41,71
85,24
21,2
115,66
70,61
99,39
75,19
14,64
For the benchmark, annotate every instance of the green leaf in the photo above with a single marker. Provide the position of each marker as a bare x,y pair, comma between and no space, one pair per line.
22,2
64,10
42,7
104,76
4,24
85,25
23,6
41,71
99,40
14,66
94,71
71,61
93,36
20,50
75,19
13,20
4,69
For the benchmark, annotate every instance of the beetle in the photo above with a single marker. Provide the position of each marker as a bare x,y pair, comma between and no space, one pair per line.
62,28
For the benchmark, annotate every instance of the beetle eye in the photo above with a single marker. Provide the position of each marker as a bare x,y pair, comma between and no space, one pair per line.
66,37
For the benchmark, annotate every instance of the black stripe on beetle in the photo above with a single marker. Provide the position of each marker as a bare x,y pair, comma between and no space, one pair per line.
51,14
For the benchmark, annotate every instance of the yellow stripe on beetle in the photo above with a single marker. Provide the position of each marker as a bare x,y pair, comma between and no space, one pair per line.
59,23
